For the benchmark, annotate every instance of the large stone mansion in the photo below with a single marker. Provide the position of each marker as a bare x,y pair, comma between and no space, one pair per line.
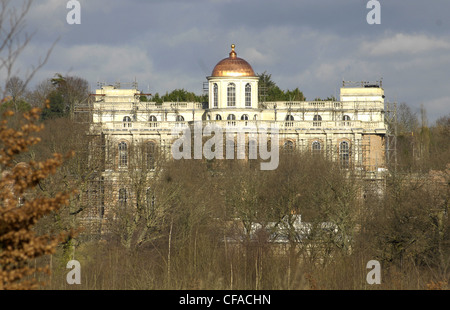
351,130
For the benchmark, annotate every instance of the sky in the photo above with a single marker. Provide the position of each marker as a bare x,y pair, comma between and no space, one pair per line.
310,44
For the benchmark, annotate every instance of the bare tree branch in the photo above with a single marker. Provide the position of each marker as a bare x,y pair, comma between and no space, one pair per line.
13,41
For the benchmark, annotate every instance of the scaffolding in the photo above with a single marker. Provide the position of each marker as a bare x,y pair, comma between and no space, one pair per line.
86,110
362,144
390,118
366,84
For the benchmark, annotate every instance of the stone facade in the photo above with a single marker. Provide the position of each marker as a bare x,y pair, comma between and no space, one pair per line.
351,130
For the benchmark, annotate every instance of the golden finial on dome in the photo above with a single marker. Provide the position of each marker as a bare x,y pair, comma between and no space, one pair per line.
232,53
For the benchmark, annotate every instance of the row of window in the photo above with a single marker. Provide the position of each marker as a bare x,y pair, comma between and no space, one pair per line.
316,118
232,117
149,198
150,153
231,95
152,119
289,118
180,118
316,146
344,158
344,150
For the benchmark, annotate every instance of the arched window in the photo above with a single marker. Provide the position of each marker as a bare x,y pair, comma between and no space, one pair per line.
255,117
244,117
151,152
317,120
153,121
344,154
289,145
179,121
231,95
123,198
346,120
127,121
289,120
231,119
123,154
316,147
248,95
218,117
216,95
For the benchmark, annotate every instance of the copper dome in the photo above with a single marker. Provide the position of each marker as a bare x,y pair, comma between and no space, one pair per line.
233,66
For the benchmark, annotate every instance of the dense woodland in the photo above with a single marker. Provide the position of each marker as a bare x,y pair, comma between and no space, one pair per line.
194,230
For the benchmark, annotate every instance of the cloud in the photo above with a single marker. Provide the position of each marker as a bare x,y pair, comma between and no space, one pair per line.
405,44
97,63
437,107
258,56
308,44
190,36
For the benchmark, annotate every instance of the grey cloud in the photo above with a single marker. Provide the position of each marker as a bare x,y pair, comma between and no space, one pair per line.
308,44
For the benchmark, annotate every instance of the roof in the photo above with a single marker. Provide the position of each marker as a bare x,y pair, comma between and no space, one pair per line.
233,66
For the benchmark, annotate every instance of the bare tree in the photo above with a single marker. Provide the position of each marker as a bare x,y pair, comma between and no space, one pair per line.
40,93
141,201
407,119
13,41
15,90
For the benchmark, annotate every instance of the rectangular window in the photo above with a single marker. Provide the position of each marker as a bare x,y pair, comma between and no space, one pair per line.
123,154
216,95
231,95
248,95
